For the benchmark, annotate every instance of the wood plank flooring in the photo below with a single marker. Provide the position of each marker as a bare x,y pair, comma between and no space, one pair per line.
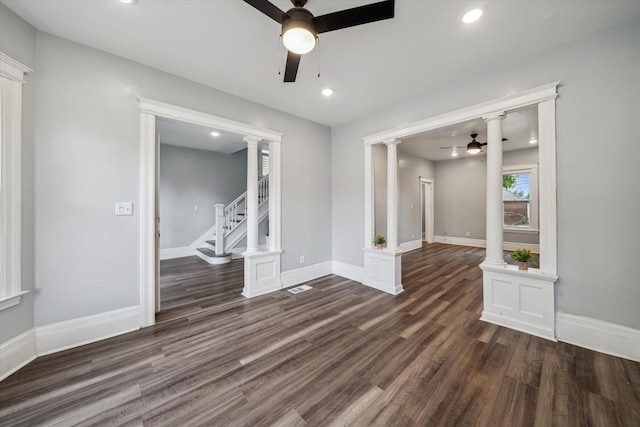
339,354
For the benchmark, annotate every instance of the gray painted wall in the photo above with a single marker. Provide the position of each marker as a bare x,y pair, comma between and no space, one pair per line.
87,157
18,40
410,169
190,177
460,196
598,107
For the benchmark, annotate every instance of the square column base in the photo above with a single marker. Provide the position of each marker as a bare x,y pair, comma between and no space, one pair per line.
520,300
383,270
261,273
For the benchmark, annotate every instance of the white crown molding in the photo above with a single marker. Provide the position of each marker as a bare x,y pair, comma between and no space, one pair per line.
17,352
162,109
12,69
84,330
598,335
510,102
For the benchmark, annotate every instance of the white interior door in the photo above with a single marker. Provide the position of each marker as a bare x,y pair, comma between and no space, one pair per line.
428,230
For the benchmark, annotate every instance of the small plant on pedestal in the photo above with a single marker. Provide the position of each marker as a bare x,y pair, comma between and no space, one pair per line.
379,241
524,257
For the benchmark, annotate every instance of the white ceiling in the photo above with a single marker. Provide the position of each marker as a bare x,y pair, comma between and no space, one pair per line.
228,45
519,127
183,134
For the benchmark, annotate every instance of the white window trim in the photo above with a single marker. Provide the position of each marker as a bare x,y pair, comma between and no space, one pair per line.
531,169
12,77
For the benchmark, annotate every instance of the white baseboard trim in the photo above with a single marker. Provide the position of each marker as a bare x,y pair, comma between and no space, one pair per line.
597,335
480,243
348,271
16,353
84,330
170,253
304,274
411,245
518,325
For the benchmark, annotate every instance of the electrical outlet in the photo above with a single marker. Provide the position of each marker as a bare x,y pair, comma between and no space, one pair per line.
413,236
468,233
124,208
195,208
302,259
411,205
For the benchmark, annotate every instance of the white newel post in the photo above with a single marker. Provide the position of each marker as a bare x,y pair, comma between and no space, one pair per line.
494,255
392,194
252,195
219,229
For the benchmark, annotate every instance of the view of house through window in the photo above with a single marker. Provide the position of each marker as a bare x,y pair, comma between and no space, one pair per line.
516,197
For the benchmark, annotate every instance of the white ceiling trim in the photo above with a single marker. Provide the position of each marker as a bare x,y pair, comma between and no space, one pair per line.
510,102
162,109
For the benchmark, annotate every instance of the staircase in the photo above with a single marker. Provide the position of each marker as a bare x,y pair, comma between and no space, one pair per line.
231,225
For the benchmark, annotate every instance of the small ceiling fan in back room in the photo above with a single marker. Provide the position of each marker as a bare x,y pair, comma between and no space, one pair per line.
474,147
300,28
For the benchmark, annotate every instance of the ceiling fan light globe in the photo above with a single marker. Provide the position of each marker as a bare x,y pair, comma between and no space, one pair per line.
299,40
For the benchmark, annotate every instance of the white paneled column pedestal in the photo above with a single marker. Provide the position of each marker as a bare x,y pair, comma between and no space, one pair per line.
261,273
520,300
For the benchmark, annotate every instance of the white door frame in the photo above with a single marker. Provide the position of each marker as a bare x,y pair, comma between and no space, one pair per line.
426,196
149,110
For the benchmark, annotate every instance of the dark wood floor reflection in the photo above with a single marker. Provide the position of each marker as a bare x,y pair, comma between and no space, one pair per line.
339,354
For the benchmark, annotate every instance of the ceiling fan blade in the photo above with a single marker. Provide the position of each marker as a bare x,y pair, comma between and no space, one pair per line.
503,140
268,9
355,16
291,69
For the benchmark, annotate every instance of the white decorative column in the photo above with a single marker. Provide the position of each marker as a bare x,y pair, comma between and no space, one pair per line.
383,267
494,256
252,195
392,194
369,197
262,268
219,229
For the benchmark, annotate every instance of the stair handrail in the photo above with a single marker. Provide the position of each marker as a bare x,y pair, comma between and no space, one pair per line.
233,209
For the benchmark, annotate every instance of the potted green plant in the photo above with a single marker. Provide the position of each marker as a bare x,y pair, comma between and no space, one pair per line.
524,257
379,241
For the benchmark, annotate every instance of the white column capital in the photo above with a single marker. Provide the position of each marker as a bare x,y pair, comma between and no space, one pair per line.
252,140
499,115
392,141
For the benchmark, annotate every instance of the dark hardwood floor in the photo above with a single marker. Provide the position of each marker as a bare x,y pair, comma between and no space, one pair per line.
339,354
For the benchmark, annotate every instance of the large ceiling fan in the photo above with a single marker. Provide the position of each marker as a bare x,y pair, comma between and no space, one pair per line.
300,28
474,147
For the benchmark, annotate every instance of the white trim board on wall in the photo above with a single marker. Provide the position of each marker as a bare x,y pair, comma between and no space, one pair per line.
597,335
48,339
480,243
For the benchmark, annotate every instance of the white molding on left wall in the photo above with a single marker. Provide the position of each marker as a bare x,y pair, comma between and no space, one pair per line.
84,330
43,340
16,353
411,245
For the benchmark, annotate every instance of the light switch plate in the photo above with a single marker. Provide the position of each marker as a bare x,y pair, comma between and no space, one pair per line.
124,208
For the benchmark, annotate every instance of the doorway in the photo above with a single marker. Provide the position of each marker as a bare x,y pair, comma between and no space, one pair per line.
427,210
256,281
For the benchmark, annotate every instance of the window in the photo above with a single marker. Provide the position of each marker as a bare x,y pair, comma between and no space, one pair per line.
520,197
11,81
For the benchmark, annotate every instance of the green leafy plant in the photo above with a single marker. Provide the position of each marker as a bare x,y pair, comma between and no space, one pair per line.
523,255
379,240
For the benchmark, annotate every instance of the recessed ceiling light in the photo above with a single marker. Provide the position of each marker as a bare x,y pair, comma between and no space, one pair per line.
472,16
215,134
533,141
327,92
129,1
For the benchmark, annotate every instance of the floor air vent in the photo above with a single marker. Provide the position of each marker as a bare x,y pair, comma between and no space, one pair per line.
299,289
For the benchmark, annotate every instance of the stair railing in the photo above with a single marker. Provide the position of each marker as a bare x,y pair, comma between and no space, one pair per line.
235,213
